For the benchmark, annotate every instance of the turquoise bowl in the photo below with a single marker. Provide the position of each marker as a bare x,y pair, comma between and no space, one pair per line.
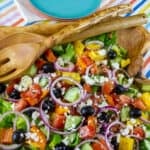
66,9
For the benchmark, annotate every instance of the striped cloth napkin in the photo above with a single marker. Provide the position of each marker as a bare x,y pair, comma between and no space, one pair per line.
16,13
10,14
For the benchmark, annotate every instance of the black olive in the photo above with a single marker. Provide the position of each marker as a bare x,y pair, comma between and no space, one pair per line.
48,68
62,146
135,113
48,105
15,94
87,111
18,137
2,88
114,142
57,92
119,89
111,54
29,112
105,117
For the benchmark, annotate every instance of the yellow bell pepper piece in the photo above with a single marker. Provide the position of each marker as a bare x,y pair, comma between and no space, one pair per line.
126,143
93,46
61,110
73,75
133,122
125,62
145,115
146,99
95,56
79,47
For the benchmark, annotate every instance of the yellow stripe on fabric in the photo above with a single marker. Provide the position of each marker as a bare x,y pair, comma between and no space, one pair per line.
143,9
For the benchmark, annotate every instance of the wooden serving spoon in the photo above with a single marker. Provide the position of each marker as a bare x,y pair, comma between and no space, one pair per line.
48,28
137,42
16,59
14,35
102,27
43,28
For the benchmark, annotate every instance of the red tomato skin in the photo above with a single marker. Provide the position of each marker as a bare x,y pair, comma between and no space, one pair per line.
92,121
87,132
20,105
100,146
123,99
35,91
58,121
87,60
39,63
110,100
139,132
137,103
33,95
108,87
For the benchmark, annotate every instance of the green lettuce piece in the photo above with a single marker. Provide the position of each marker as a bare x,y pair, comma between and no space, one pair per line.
132,92
54,140
58,50
69,52
72,139
110,39
21,124
5,106
144,144
7,122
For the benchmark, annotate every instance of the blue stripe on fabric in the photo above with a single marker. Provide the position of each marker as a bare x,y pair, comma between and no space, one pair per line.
136,7
148,74
6,5
148,25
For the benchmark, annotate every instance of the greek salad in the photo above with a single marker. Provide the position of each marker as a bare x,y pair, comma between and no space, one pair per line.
77,96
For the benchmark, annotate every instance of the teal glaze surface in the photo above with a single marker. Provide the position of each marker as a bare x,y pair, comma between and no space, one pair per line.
66,9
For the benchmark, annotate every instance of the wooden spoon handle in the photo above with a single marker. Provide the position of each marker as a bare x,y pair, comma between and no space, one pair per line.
44,28
113,24
146,46
85,23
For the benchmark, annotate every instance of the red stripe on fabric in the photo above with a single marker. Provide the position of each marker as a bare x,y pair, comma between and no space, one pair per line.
133,1
18,22
147,61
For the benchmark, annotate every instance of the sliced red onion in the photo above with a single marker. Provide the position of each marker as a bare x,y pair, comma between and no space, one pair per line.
57,100
69,68
46,122
30,108
109,108
95,42
135,136
13,146
98,136
17,114
38,110
9,147
86,141
107,133
6,97
115,78
137,144
87,72
145,120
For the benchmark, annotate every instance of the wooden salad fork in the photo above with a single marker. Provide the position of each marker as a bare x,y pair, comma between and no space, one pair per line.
102,27
37,32
16,59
